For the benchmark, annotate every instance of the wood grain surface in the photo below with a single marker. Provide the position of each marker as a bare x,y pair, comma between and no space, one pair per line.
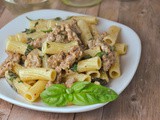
141,99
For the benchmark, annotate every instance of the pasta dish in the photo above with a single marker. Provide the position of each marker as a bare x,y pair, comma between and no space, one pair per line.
64,62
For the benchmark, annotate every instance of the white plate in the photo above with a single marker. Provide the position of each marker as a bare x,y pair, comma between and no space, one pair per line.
129,62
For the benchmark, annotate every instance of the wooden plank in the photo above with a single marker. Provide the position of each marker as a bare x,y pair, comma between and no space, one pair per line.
6,17
1,7
140,101
109,9
27,114
5,109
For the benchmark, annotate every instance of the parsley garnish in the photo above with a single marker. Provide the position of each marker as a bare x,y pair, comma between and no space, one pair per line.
36,24
29,49
29,31
74,67
12,75
47,31
29,18
58,18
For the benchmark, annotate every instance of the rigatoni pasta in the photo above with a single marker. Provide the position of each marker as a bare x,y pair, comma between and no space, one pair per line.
37,74
57,51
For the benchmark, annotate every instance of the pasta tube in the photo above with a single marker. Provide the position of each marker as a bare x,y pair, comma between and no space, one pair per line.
16,47
89,64
88,19
104,76
92,51
94,31
79,77
33,93
93,74
86,34
113,35
37,73
17,67
54,47
114,71
121,48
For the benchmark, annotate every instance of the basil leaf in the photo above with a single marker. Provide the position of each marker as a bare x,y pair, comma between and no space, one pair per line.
74,67
29,31
81,93
47,31
55,95
92,94
78,86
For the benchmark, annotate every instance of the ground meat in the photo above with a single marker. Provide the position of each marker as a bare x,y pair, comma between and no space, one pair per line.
108,60
9,62
63,61
70,82
37,43
33,59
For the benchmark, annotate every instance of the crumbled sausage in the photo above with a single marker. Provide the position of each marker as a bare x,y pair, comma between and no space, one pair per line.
9,62
33,59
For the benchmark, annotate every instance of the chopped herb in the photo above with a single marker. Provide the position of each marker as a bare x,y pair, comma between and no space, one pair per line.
20,81
48,45
74,67
29,18
12,75
101,81
86,57
47,31
29,31
58,18
69,17
30,40
100,54
29,49
36,24
112,48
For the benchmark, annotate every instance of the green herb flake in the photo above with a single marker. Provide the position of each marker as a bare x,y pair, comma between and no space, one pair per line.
87,57
69,17
29,18
12,75
29,31
30,40
48,45
74,67
20,81
36,24
29,49
47,31
58,19
112,48
100,54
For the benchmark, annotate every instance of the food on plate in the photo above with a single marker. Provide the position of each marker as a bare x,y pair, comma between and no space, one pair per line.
65,62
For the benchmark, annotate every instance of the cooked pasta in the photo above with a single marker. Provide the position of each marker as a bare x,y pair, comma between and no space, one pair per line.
56,51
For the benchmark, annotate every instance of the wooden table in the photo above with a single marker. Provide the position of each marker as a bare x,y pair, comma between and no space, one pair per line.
141,99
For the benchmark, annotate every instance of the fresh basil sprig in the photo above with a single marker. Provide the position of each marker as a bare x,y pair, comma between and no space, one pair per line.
81,93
